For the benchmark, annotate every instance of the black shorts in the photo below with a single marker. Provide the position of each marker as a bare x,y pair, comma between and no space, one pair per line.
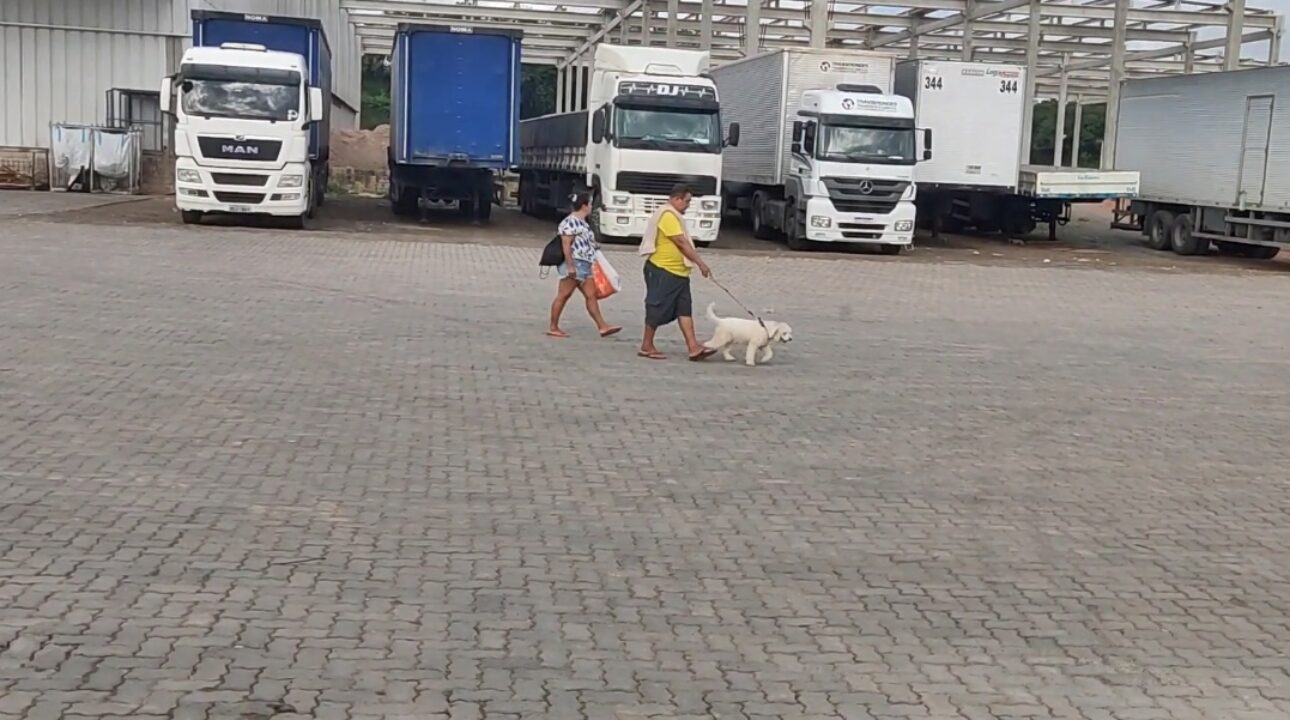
667,296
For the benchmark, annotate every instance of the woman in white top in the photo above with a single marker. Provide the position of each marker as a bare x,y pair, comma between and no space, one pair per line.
580,248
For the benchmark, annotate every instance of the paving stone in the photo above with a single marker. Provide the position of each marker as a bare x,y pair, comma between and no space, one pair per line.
300,474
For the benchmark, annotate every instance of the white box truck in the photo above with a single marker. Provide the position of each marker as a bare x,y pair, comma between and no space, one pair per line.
976,112
827,154
1214,153
652,123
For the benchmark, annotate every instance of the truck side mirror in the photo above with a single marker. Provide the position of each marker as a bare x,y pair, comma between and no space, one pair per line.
927,143
167,95
797,136
598,126
733,140
808,138
316,106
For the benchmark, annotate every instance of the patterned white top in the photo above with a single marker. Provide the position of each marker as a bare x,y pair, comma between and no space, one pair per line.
584,238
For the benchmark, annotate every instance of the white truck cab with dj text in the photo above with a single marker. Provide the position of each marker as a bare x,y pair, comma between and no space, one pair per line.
242,123
851,177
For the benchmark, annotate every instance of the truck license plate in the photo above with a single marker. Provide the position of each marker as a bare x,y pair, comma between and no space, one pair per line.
240,208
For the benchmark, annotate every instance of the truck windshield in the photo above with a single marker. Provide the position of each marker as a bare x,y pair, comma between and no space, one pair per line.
881,146
667,129
240,92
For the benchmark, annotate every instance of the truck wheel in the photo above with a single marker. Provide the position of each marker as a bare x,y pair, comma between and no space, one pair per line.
1183,238
402,202
793,230
191,217
759,228
484,205
1160,230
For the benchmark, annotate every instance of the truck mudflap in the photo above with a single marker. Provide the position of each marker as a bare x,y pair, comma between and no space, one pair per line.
824,224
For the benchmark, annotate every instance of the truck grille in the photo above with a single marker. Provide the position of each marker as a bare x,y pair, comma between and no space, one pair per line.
238,179
861,231
239,198
661,183
849,194
226,148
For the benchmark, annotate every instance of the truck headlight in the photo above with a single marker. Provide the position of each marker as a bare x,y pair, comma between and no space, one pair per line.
287,181
620,200
904,225
710,205
191,176
820,221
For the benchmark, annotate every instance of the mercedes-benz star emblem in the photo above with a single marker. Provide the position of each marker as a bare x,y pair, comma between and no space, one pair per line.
848,104
865,187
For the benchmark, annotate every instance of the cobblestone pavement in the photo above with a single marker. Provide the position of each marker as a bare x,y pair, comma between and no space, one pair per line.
253,474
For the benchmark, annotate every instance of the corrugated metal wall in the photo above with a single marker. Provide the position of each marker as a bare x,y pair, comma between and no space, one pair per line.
58,58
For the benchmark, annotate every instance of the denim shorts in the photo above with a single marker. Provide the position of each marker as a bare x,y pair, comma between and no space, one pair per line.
582,270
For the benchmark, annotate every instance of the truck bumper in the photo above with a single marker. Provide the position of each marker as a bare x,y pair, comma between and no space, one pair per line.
702,220
825,224
255,192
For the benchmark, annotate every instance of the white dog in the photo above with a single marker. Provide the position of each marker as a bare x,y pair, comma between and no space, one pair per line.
746,331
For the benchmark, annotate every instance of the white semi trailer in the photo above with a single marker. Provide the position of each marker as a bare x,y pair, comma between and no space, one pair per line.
827,154
652,123
977,179
1212,152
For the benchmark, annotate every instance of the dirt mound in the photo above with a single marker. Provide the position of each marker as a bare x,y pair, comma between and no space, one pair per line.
360,149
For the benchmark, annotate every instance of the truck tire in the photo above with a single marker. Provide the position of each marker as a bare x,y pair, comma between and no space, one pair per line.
759,227
484,205
1183,239
402,202
191,217
793,229
1160,229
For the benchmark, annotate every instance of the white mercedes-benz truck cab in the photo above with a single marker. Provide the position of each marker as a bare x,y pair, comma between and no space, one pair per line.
851,176
655,123
242,132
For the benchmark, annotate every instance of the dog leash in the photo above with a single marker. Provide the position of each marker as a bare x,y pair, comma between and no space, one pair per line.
751,314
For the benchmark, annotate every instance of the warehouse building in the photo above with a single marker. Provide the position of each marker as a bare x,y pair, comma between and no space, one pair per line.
101,61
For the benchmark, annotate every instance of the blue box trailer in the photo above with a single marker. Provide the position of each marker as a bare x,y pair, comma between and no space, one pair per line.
454,116
302,36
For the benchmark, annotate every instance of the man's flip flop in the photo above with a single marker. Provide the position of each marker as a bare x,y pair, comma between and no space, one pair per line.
703,354
651,356
561,334
610,331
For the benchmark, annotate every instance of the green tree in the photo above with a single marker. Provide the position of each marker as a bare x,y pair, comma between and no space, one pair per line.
537,91
376,91
1092,124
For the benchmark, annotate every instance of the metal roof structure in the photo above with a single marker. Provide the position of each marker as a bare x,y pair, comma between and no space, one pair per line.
1073,48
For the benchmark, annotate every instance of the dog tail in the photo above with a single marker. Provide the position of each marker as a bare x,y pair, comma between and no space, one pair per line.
712,312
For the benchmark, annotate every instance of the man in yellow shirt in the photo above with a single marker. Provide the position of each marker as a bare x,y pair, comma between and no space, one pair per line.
667,278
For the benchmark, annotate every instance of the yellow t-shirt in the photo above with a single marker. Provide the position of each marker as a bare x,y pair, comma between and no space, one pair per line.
666,254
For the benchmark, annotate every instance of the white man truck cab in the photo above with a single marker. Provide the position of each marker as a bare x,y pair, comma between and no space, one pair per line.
851,175
243,116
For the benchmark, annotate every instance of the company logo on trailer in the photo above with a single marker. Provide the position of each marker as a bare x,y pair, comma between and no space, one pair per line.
848,104
827,66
